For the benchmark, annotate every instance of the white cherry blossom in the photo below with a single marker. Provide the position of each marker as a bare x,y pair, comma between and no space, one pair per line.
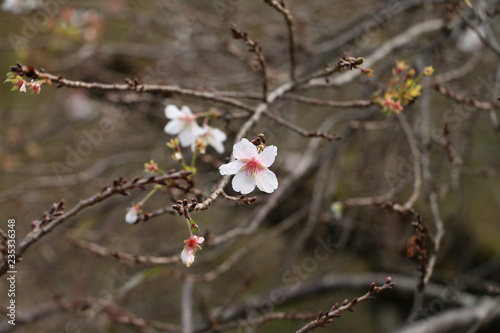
183,124
251,168
213,137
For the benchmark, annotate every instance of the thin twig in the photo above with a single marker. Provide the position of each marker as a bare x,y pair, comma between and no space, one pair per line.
381,53
254,47
416,157
250,246
120,186
336,310
120,315
301,131
438,222
282,7
130,86
257,321
466,100
329,103
84,176
492,45
128,258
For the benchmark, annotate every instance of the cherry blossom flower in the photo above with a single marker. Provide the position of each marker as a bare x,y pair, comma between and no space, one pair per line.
251,168
131,216
210,136
182,123
192,245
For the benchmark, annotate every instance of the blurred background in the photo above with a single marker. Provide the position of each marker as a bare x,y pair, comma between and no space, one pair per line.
333,246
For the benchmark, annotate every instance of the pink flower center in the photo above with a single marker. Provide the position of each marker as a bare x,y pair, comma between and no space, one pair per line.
191,242
189,118
252,167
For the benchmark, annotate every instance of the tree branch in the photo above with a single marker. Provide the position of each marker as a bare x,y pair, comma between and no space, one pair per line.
336,310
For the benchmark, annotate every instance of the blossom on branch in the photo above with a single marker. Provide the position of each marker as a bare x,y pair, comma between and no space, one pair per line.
182,123
251,168
19,83
210,136
192,245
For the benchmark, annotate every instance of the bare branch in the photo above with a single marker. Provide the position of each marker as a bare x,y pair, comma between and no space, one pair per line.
122,256
336,310
416,156
329,103
129,86
303,132
491,44
282,7
456,320
120,186
254,47
466,100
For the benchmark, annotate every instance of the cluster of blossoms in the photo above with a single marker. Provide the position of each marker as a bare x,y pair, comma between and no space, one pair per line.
250,165
250,169
19,83
183,124
403,88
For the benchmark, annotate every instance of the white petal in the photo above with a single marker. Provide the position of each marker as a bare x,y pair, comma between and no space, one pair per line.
266,181
243,183
244,150
174,126
195,129
186,110
231,168
172,112
187,256
204,131
214,137
199,240
266,158
217,134
186,138
218,146
131,216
